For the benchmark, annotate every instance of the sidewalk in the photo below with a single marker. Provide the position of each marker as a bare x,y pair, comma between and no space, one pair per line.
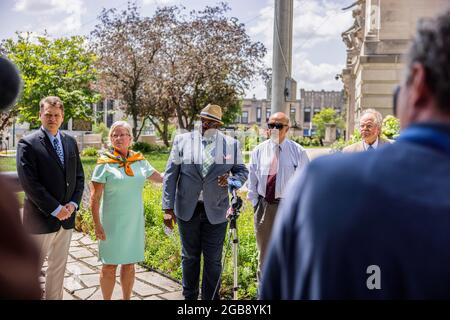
82,277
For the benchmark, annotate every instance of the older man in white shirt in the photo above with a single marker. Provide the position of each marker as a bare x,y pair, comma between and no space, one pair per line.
272,165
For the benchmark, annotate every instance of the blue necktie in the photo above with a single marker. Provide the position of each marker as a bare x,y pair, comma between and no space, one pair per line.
58,150
370,148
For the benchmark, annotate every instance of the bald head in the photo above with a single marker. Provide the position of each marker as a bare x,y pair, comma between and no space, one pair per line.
278,127
279,117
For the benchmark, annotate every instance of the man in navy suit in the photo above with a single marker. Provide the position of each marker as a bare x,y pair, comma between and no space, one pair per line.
51,174
376,225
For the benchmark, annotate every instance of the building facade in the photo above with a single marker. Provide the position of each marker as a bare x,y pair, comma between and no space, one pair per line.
376,44
301,111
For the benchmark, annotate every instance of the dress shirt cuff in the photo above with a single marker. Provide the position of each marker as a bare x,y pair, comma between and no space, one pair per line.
75,205
57,210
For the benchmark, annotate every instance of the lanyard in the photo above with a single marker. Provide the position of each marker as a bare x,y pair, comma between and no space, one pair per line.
428,136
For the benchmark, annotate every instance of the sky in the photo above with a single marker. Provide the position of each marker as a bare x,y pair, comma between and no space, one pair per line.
318,51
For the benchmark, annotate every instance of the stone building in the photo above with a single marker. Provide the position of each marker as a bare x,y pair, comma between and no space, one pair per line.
301,111
376,42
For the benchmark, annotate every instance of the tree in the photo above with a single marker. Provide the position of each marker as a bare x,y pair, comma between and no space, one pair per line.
62,67
326,115
214,62
126,45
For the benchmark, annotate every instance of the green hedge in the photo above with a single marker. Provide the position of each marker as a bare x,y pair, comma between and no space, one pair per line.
163,252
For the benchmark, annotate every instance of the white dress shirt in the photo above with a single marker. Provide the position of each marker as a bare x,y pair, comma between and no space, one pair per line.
374,145
292,158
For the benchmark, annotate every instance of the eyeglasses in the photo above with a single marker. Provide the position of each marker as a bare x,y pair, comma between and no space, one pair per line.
115,136
278,126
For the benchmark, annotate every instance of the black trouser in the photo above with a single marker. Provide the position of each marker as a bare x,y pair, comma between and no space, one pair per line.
198,236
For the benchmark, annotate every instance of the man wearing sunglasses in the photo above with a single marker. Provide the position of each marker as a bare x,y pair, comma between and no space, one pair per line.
376,226
273,163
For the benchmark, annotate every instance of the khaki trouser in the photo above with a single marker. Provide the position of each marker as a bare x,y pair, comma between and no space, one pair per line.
264,218
55,247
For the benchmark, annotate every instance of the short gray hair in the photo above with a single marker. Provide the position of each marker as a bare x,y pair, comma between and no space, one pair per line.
122,124
376,114
431,48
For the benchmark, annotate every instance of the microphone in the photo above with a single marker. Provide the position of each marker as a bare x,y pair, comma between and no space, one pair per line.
10,83
233,184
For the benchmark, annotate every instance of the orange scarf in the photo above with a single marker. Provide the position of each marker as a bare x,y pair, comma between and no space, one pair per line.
116,157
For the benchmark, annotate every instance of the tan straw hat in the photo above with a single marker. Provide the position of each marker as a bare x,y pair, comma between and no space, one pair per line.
212,112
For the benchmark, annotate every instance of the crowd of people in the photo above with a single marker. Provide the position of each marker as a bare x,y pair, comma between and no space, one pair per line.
371,222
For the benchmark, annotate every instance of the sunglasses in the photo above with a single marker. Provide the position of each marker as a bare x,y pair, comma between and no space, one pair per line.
395,97
278,126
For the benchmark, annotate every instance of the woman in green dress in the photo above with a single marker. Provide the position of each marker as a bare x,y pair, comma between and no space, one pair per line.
117,209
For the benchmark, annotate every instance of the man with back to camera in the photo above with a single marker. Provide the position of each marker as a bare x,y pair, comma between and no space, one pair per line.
375,226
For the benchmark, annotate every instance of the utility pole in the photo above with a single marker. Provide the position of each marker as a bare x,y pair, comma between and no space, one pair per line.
282,57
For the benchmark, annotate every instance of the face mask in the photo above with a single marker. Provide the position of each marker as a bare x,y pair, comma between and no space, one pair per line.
275,137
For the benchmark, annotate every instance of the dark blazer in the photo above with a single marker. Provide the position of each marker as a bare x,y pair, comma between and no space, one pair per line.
389,208
46,183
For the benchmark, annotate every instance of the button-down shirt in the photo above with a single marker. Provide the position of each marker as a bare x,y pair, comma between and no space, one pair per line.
204,141
292,158
374,145
52,138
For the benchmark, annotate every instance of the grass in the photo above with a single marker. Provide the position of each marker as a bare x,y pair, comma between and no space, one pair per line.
7,164
157,160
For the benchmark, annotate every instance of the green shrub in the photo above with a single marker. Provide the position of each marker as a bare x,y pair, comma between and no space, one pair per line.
102,129
391,127
145,147
163,252
89,152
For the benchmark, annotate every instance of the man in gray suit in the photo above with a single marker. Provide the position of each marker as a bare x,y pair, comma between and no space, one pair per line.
370,125
376,226
195,193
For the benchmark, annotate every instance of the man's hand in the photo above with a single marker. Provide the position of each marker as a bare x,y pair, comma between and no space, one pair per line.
99,232
70,207
223,180
169,218
63,214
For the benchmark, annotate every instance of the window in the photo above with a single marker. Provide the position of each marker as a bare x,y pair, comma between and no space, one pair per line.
109,119
307,115
267,115
244,118
258,114
292,115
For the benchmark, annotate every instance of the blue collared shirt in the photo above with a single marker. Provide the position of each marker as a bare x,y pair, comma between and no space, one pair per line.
52,138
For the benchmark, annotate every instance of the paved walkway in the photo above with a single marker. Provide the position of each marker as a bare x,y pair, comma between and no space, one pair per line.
82,277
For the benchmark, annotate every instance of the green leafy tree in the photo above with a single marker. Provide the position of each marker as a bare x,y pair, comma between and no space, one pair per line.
391,127
61,67
325,116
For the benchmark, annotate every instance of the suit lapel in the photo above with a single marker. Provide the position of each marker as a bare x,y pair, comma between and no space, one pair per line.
66,151
48,145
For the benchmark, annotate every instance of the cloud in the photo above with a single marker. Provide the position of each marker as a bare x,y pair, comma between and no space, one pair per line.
315,22
317,76
56,16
